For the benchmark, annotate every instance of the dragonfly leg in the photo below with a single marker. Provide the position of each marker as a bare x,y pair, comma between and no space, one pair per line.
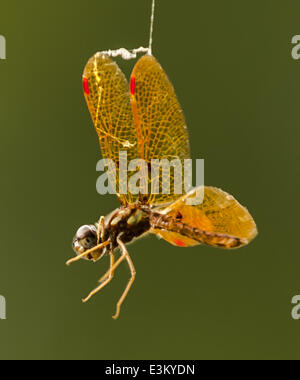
86,253
105,279
110,271
101,229
96,290
125,254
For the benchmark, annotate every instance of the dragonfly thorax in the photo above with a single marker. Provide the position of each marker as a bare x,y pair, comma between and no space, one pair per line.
129,222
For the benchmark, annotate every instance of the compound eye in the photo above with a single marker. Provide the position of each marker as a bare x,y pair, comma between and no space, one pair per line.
86,232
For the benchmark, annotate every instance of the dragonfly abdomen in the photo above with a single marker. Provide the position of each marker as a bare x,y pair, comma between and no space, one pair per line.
169,223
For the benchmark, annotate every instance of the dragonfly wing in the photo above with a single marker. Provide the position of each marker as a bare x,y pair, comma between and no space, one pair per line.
160,125
220,220
107,94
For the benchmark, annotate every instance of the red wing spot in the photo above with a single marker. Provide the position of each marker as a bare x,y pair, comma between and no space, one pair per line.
179,243
132,85
86,86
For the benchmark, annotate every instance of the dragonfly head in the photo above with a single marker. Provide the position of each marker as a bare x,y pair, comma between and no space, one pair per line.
85,239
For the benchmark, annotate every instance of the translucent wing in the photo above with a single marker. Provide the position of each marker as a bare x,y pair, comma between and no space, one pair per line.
219,221
160,124
107,95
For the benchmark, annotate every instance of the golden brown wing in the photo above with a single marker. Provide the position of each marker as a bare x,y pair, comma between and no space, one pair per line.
160,124
219,221
107,95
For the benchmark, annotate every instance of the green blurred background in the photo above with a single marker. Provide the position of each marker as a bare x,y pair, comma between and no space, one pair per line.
230,62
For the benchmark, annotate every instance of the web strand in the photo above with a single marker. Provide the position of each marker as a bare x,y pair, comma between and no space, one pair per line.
132,54
151,27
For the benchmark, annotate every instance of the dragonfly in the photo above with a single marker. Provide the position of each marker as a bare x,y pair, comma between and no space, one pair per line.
144,118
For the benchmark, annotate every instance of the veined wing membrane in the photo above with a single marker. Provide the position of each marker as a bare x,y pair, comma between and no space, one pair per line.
160,125
107,95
